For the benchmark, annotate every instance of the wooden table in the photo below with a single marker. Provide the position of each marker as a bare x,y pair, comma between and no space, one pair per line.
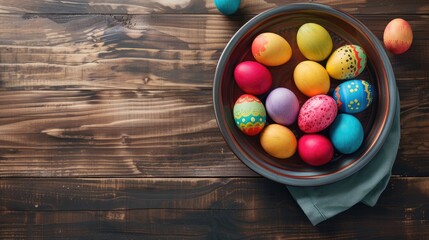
108,131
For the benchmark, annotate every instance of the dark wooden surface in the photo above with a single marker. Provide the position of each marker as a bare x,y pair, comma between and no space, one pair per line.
107,128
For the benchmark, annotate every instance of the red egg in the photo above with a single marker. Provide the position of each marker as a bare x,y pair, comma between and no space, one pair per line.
398,36
252,77
317,113
315,149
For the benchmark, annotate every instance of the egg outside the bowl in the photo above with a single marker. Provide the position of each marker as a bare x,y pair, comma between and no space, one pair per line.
398,36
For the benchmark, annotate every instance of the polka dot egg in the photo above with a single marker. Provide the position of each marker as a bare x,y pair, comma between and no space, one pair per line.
353,96
346,62
317,113
249,114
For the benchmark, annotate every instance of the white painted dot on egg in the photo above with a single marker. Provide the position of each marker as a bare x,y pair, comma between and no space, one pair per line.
252,119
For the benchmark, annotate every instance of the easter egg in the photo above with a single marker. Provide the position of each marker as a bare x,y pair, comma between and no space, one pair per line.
398,36
317,113
227,7
282,106
249,114
311,78
271,49
315,149
346,62
353,96
252,77
314,41
346,133
278,141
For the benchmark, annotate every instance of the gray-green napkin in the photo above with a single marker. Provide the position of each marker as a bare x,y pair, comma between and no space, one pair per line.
323,202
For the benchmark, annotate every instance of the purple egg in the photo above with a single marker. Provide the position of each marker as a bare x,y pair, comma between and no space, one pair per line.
282,106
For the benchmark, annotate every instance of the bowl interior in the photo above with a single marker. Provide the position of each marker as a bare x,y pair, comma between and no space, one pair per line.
285,21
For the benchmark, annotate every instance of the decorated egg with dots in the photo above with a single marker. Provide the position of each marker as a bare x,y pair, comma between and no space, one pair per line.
353,96
249,114
346,62
317,113
346,133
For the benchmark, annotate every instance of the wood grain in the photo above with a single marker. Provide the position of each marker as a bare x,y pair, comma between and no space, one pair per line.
107,128
154,208
137,133
140,51
116,133
198,6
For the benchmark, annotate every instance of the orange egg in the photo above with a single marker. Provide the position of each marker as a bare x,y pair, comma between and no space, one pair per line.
278,141
398,36
271,49
311,78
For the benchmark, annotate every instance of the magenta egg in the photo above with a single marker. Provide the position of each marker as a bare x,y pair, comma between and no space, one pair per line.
282,106
317,113
315,149
252,77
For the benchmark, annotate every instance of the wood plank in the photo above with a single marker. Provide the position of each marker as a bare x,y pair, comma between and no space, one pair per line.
199,6
116,133
139,51
149,133
251,208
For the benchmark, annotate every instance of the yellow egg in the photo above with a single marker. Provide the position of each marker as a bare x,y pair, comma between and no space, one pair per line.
314,41
311,78
271,49
278,141
346,62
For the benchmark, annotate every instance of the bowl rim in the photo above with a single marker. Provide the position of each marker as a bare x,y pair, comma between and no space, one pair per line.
346,171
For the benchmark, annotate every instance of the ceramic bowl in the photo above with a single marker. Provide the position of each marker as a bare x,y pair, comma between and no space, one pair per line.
285,21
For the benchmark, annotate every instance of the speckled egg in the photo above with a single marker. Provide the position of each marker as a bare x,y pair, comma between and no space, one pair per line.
271,49
353,96
311,78
346,133
278,141
314,41
315,149
317,113
249,114
346,62
282,106
252,77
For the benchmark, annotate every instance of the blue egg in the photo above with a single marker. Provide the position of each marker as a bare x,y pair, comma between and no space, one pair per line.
353,96
227,7
346,133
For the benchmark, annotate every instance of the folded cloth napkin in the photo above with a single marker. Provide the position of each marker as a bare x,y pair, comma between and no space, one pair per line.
323,202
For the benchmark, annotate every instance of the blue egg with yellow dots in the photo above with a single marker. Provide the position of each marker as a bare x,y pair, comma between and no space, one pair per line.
353,96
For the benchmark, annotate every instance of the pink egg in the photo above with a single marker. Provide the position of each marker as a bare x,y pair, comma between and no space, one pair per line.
317,113
252,77
398,36
315,149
